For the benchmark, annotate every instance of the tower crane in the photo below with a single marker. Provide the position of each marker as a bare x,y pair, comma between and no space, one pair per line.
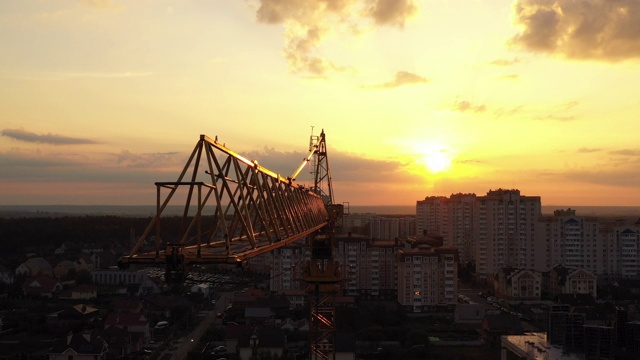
234,209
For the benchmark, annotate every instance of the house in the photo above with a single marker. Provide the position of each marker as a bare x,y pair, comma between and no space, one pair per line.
261,340
6,276
204,289
35,266
567,280
258,316
518,284
43,286
85,263
151,285
79,347
131,322
63,268
122,343
77,316
129,306
81,292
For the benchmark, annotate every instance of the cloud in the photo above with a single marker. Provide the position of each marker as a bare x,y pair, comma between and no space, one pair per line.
54,139
603,30
585,150
626,152
145,160
308,23
402,78
505,62
554,117
101,4
344,166
392,12
510,77
464,106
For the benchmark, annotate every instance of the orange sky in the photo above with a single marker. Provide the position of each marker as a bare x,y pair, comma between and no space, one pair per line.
101,98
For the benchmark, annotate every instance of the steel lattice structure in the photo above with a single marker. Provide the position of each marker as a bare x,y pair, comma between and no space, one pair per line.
234,209
250,210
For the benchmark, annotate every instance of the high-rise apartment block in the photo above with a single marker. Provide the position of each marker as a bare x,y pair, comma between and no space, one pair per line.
427,278
507,229
392,227
417,271
494,231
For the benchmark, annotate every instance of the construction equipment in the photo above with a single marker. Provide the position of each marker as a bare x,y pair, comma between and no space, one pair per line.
233,209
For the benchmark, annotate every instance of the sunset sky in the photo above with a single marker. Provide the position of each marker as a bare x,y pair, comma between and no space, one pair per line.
99,99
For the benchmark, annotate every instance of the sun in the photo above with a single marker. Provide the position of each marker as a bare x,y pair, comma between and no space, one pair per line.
436,159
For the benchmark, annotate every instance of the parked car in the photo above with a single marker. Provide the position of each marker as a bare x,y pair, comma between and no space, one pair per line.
161,325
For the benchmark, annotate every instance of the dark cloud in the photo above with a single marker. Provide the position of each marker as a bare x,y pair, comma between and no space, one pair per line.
626,152
146,160
55,139
392,12
71,167
308,23
464,106
402,78
606,30
344,166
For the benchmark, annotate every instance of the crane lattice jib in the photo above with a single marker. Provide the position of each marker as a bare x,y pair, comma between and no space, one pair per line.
231,210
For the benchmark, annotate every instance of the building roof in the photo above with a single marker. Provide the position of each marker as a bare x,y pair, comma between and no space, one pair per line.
503,323
125,319
40,284
82,344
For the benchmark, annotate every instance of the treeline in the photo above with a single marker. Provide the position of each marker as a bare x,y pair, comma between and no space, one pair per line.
17,234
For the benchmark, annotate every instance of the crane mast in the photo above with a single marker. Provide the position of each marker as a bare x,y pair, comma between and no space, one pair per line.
233,209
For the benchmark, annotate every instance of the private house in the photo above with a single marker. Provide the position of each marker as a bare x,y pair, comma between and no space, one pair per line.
129,306
85,263
63,268
35,266
6,276
261,340
132,322
72,317
122,343
79,347
518,284
81,292
151,285
566,280
42,286
258,316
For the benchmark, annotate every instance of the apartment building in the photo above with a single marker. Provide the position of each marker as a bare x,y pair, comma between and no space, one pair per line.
570,240
287,267
452,218
392,227
427,277
368,266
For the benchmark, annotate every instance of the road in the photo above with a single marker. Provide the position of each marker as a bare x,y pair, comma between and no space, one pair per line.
189,342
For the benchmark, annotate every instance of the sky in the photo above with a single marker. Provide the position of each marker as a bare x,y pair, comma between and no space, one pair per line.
100,99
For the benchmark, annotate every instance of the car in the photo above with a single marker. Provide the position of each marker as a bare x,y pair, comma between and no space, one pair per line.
161,325
219,350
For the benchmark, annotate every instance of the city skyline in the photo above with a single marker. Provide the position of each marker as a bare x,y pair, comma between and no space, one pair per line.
102,98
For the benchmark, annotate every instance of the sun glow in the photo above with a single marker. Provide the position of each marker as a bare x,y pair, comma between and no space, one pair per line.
436,159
